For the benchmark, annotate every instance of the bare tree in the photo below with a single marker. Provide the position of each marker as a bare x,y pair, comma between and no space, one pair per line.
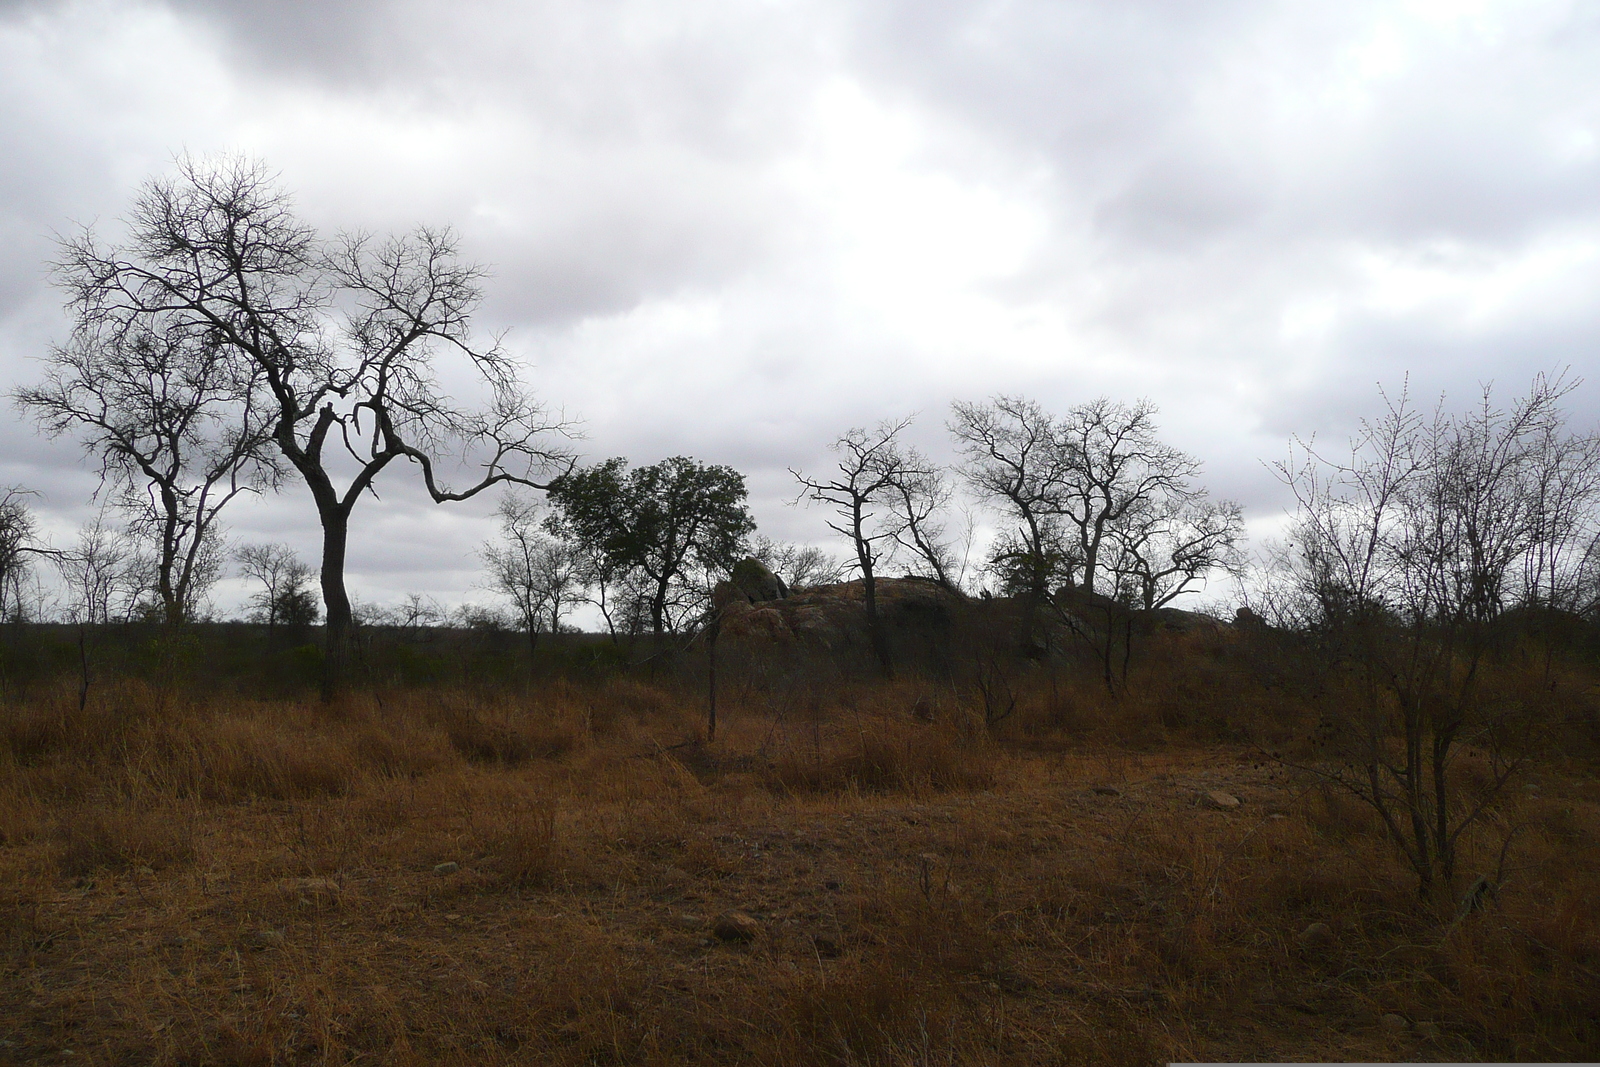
412,614
341,338
1405,551
17,534
1170,548
872,464
542,577
103,583
1566,518
1114,471
172,423
285,596
921,500
799,566
1012,458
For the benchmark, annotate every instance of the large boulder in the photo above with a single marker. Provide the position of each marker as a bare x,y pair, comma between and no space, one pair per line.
758,584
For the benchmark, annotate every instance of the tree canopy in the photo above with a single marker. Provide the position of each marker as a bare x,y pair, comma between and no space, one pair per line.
669,526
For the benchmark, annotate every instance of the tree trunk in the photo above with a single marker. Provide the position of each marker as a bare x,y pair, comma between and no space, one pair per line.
880,640
658,616
712,631
336,602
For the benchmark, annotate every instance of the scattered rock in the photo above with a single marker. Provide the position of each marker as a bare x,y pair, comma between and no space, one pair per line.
1107,791
1217,800
1395,1023
1430,1031
736,926
269,938
832,887
1277,816
685,921
309,891
144,870
447,867
1012,982
826,947
1317,935
1480,894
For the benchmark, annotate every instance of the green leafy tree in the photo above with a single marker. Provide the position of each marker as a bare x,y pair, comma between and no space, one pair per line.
669,526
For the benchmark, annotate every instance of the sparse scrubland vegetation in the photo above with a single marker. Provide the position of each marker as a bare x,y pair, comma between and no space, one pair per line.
520,870
997,800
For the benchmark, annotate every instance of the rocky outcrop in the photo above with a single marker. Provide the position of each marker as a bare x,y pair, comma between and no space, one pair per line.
834,617
1081,609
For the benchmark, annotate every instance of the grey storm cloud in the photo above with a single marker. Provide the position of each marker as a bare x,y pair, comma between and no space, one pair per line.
734,229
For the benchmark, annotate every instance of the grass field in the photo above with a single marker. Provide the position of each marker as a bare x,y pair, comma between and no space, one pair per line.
435,875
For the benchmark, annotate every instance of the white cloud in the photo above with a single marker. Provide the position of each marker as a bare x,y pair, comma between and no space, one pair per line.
733,230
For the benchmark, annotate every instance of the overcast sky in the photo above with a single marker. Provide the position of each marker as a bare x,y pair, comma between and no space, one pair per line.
732,230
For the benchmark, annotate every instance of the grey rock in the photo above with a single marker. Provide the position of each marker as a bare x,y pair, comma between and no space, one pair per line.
757,582
1395,1023
447,867
1317,935
736,925
1218,800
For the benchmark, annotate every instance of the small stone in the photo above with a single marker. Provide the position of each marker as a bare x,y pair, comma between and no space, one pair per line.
1395,1023
736,926
1430,1031
687,922
1107,791
1315,936
826,947
832,887
309,892
1012,982
1277,816
447,867
1217,800
269,938
144,870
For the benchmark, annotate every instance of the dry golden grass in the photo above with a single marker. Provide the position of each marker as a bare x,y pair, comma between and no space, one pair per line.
449,878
